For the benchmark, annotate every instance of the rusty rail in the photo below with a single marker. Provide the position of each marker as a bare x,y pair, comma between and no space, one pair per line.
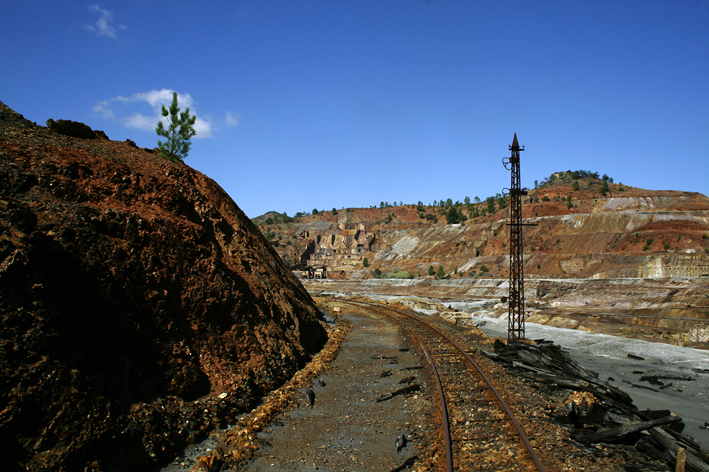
487,381
442,400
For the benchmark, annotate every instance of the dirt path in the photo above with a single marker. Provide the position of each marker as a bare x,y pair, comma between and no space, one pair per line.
347,429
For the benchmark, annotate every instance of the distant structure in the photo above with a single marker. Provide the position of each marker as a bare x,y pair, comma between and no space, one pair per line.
515,322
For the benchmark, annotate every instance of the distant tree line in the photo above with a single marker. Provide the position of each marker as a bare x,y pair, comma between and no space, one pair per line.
278,218
459,212
573,175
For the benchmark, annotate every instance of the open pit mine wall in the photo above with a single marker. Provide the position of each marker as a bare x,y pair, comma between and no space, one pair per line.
338,247
589,245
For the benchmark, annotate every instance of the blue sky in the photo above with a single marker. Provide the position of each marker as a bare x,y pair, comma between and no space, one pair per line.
322,104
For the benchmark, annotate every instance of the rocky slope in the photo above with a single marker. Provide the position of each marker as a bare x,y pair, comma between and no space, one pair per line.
628,232
139,306
603,256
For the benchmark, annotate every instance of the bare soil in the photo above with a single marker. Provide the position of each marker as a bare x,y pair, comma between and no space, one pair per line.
346,428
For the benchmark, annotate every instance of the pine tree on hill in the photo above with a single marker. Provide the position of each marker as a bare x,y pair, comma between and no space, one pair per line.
178,134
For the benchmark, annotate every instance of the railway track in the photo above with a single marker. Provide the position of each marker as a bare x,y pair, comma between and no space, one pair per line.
479,429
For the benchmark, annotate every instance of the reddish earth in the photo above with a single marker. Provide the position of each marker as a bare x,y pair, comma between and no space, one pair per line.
589,232
139,306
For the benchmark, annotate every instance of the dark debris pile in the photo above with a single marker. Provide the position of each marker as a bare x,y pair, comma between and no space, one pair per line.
599,413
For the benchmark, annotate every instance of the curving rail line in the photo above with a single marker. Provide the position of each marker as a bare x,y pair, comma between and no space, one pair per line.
441,396
472,363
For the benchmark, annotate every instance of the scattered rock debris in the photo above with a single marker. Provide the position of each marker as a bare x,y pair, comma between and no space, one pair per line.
599,415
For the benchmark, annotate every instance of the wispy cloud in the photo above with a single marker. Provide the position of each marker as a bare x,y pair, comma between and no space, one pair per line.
140,121
104,26
158,98
147,121
104,108
232,120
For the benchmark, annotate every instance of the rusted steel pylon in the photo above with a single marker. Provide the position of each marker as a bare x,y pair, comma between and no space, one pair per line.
515,323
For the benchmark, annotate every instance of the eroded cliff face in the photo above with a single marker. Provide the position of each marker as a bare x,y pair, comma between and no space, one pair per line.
139,306
633,233
622,243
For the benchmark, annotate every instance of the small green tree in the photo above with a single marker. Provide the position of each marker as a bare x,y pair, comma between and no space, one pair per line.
440,273
575,186
365,262
604,188
490,204
178,133
461,216
431,270
452,216
648,244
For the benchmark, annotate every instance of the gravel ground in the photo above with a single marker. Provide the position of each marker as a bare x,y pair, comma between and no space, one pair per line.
347,429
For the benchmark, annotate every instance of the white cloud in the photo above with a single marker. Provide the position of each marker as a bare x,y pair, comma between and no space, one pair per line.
158,98
103,108
141,121
202,128
232,120
104,25
154,99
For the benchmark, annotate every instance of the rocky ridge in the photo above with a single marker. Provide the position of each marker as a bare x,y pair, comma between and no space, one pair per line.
634,233
139,306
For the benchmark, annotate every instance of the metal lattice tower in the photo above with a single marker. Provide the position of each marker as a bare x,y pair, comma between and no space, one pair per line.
515,323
